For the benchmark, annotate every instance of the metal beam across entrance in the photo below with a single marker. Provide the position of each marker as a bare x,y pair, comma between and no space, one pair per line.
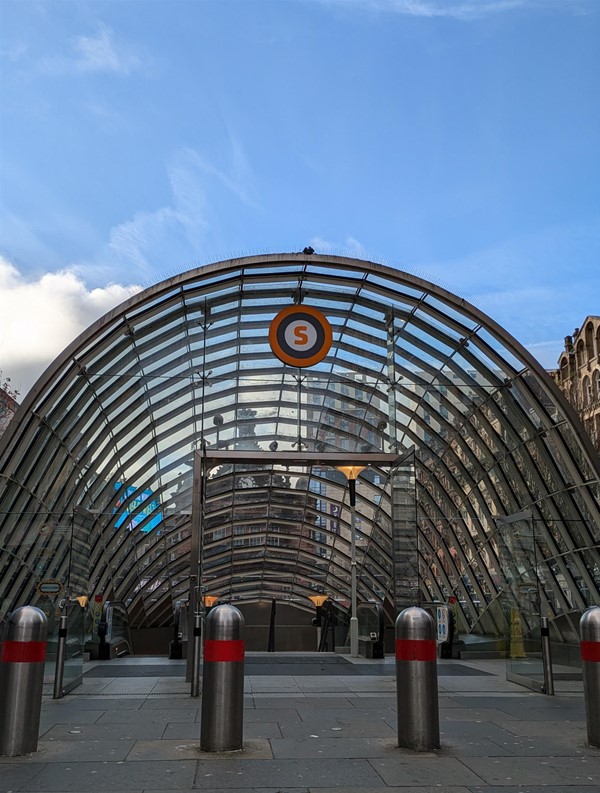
329,459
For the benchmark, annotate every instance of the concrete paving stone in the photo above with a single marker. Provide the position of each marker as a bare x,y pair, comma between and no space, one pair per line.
535,789
476,715
51,751
254,749
286,773
182,731
372,714
14,776
149,716
472,747
517,703
338,728
71,716
410,789
575,729
468,731
373,702
129,686
256,790
114,777
74,702
169,686
536,770
428,769
323,702
278,702
99,732
169,703
324,747
262,730
189,732
271,714
558,745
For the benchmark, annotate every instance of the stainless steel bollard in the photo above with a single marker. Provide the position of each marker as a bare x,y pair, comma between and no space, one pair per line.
61,651
21,680
223,681
416,681
589,627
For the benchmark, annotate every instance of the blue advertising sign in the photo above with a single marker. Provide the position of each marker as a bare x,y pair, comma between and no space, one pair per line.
138,508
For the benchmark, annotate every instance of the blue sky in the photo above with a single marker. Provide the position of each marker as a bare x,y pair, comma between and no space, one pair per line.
454,139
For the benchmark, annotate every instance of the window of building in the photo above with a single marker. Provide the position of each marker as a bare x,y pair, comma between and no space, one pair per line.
589,341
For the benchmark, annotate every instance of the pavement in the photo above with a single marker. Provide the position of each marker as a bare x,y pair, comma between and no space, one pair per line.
312,724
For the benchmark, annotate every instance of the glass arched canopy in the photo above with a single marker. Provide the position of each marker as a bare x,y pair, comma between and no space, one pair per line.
497,478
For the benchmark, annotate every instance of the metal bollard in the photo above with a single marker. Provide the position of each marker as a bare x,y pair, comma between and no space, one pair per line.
589,627
223,681
61,651
22,680
416,681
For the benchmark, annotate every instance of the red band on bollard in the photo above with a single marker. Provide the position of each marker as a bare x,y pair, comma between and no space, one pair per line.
223,650
416,650
23,652
590,651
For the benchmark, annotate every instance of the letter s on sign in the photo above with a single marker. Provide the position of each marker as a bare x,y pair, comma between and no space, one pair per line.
300,334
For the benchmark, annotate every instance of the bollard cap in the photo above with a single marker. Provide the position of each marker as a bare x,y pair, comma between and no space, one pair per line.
415,623
26,624
589,625
225,623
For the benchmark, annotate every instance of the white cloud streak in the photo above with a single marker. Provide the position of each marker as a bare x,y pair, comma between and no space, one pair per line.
99,53
41,317
465,11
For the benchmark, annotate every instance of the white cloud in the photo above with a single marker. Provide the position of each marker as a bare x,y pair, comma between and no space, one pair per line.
466,10
99,53
41,317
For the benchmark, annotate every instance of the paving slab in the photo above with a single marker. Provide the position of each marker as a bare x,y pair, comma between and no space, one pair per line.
333,748
271,714
166,749
287,773
119,776
189,732
76,751
149,716
536,770
404,789
14,776
338,729
425,769
99,732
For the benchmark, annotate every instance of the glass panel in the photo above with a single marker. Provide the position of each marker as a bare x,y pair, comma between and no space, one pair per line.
520,599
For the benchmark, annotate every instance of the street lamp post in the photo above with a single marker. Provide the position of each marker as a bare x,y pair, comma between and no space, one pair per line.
318,601
351,472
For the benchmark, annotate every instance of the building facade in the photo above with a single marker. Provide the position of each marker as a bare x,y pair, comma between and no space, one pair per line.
578,374
8,406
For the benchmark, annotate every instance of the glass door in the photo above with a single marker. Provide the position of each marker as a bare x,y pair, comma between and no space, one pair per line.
520,600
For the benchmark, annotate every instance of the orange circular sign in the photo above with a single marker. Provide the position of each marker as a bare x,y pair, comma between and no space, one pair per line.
300,336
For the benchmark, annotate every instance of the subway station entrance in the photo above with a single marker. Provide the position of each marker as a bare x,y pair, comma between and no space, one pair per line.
202,442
